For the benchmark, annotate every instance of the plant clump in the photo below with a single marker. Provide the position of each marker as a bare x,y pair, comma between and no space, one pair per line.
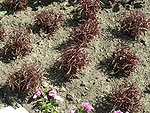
1,32
19,43
73,60
26,80
134,23
85,32
123,60
89,8
125,97
49,21
16,5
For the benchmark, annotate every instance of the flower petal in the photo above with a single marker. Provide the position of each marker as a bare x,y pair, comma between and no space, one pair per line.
52,94
73,110
58,98
38,93
88,107
118,111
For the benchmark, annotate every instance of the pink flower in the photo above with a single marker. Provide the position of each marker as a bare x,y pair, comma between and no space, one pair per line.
73,110
88,107
118,111
52,94
38,93
52,88
58,98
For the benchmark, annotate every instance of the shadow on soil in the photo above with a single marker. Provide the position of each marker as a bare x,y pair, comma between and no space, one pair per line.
147,89
56,75
10,98
106,66
107,4
102,106
6,58
34,4
64,45
75,20
124,39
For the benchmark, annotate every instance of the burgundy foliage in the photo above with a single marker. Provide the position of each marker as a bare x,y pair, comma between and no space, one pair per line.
134,23
73,60
125,97
17,4
49,21
1,32
89,8
19,43
26,80
124,61
85,32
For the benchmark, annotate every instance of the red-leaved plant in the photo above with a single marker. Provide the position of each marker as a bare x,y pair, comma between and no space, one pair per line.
1,32
124,61
17,4
26,80
85,32
89,8
49,21
134,23
73,60
125,97
19,43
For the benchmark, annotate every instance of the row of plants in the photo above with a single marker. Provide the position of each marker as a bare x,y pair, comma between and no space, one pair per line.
29,79
124,98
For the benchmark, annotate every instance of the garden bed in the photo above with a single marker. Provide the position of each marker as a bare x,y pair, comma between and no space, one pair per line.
94,81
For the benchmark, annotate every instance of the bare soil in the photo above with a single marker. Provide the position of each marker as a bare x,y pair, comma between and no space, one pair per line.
94,81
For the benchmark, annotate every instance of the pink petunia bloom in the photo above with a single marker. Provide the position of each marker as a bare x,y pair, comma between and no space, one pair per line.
58,98
52,88
38,93
88,107
52,94
118,111
73,110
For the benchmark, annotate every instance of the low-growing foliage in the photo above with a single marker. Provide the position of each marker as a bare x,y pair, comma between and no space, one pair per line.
85,32
89,8
2,13
26,80
16,5
134,23
124,61
19,43
73,60
125,97
49,21
48,100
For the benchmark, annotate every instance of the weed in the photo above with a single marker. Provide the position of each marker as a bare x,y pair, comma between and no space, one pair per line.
49,20
26,80
85,32
19,43
89,8
133,23
125,97
73,60
123,60
16,5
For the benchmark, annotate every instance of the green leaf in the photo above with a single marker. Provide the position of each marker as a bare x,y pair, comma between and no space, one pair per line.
2,13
